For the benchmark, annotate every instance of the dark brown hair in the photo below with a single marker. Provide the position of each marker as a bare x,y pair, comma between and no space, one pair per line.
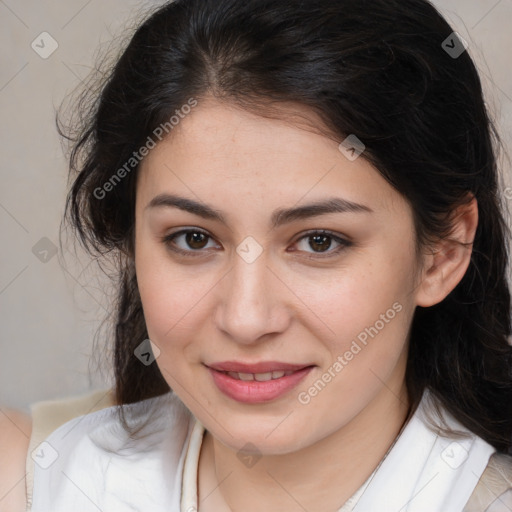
374,68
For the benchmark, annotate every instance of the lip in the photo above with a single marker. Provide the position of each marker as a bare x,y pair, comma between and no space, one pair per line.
253,392
261,367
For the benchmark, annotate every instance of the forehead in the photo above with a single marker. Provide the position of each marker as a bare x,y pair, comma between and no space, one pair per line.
222,133
219,150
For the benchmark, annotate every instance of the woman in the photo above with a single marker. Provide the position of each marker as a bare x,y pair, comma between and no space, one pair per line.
303,203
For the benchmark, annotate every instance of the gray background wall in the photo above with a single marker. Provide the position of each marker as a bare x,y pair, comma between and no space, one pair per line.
51,304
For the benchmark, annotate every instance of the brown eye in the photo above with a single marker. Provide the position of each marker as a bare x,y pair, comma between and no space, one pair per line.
321,242
190,241
195,240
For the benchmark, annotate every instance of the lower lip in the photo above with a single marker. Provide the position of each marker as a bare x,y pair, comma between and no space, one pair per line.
253,391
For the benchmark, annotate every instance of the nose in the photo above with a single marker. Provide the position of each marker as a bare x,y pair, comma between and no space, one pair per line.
251,302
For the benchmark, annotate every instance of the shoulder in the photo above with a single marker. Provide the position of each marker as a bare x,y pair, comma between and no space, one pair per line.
493,492
149,421
15,431
498,479
94,456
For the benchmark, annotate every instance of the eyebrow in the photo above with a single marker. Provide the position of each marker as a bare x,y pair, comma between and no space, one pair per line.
279,217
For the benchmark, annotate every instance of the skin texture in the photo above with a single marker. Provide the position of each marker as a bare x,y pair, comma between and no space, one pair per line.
15,431
291,304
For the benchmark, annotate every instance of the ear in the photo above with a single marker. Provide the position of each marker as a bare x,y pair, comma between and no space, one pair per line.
444,268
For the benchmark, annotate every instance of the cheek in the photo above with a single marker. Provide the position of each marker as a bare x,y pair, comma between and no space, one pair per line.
370,318
167,296
358,300
170,312
175,300
368,312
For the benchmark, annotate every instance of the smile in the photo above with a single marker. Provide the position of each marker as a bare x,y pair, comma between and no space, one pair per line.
260,377
257,383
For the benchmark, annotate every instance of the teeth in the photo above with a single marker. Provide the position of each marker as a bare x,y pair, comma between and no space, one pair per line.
260,377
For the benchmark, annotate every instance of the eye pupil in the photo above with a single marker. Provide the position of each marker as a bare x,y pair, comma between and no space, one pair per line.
194,237
318,240
197,242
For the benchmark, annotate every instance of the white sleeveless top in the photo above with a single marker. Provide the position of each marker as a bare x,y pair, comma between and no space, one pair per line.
90,464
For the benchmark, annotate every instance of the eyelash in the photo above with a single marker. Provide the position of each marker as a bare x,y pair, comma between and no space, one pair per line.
168,239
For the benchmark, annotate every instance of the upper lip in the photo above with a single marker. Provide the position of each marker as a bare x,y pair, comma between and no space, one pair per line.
261,367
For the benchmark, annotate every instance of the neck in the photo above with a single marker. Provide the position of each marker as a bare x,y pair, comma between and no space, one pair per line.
322,476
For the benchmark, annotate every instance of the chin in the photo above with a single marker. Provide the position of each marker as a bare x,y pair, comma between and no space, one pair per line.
270,435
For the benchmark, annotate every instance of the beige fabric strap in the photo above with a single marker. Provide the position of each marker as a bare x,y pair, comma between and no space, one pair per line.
495,482
48,415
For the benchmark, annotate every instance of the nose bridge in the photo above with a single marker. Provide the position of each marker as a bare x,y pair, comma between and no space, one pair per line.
249,304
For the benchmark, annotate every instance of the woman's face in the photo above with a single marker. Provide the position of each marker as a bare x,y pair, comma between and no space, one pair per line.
254,291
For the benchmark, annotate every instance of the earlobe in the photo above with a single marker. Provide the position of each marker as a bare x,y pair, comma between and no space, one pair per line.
449,260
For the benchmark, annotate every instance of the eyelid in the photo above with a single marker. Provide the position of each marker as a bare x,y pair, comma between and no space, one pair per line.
168,239
344,242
